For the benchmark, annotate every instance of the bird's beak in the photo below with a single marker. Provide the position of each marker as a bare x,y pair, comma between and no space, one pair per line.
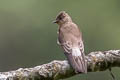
56,21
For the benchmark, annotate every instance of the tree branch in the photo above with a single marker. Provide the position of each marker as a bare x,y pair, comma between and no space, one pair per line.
55,70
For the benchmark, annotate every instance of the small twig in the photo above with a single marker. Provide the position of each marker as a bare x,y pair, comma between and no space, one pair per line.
113,77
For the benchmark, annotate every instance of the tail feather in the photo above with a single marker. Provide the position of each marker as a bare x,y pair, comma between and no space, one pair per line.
77,61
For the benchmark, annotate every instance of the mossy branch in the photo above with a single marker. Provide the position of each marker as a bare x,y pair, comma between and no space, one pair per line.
55,70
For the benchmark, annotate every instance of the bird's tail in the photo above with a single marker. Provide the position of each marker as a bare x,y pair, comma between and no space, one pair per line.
77,60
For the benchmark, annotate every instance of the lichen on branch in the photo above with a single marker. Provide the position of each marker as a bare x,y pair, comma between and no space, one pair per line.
55,70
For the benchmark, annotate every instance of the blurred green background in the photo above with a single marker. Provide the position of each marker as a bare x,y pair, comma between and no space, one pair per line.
28,37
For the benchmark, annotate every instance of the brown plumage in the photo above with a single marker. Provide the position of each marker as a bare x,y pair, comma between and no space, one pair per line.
70,39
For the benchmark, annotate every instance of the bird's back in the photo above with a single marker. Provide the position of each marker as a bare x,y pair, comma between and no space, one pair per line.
70,38
69,32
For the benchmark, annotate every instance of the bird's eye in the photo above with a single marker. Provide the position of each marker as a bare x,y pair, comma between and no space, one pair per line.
60,18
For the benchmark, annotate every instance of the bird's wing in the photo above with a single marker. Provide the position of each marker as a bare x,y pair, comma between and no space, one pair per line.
84,64
67,46
81,46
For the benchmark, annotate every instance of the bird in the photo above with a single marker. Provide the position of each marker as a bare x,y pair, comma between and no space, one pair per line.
70,39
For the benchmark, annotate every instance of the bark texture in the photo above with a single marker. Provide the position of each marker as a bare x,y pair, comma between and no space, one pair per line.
55,70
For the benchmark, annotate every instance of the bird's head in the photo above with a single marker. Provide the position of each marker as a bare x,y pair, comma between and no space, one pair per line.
62,18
